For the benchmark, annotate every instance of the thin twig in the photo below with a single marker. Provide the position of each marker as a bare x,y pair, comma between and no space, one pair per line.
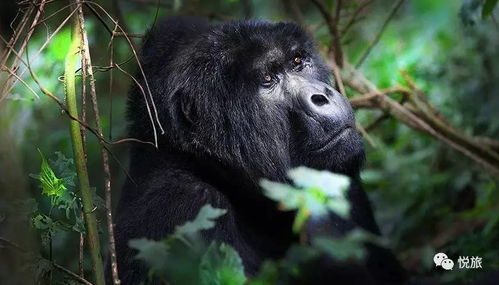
144,77
20,80
121,20
353,19
8,82
337,76
71,273
110,47
15,37
380,32
366,135
8,87
80,250
294,12
87,66
63,108
332,24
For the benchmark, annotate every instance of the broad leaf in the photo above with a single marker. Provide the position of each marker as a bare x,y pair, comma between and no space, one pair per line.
221,264
488,7
203,221
52,186
154,253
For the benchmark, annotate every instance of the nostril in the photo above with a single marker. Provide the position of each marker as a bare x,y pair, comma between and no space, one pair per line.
319,100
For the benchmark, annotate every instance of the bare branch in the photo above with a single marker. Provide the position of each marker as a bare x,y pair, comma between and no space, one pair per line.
420,117
8,82
87,66
332,24
142,72
380,32
7,87
353,19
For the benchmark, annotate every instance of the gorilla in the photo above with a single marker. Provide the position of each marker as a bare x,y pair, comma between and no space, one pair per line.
239,102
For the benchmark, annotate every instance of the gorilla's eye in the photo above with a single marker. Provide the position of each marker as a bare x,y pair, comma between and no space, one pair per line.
268,81
299,62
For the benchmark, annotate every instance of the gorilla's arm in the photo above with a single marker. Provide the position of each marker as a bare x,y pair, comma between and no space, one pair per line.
161,208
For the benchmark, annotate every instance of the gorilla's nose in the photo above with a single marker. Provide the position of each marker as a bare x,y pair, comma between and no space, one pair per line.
319,100
321,103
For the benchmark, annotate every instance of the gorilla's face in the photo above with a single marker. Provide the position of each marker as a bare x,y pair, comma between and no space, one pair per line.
321,121
291,76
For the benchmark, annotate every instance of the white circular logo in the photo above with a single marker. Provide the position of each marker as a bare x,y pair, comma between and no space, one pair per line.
439,257
447,264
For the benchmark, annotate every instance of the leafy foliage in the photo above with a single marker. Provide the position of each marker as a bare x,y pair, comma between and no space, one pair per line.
474,10
183,258
52,186
57,183
317,193
203,221
221,264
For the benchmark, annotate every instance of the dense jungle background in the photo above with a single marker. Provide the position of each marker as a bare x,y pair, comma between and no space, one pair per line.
422,76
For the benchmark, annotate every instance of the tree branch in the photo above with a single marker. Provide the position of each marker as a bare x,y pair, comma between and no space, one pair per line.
79,154
332,24
87,66
380,32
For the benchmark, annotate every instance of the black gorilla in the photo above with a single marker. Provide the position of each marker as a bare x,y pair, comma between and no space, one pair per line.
239,102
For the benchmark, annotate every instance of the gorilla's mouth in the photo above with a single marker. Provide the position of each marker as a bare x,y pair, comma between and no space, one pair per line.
334,138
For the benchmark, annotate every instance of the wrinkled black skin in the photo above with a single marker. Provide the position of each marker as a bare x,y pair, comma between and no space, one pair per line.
222,136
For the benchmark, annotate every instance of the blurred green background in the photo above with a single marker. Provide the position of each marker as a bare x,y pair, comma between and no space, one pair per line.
427,197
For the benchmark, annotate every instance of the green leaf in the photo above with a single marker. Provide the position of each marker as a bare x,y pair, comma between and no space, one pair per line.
42,222
349,247
268,274
317,192
340,249
52,186
334,185
340,207
488,7
288,196
203,221
154,253
64,168
221,264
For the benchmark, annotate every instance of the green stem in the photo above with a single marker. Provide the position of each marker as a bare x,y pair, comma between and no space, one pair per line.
72,58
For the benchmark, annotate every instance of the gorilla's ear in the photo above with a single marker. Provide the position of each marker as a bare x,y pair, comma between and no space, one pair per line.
183,108
188,110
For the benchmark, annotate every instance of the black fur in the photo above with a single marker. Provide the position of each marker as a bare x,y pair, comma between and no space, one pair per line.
224,132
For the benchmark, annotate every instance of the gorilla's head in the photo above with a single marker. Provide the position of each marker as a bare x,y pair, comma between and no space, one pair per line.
253,95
